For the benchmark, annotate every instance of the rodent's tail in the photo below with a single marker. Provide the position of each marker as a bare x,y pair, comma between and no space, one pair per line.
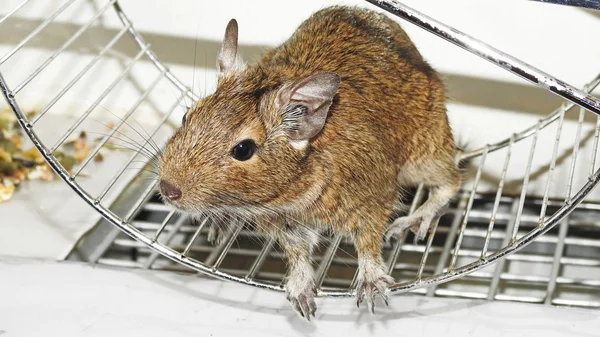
462,147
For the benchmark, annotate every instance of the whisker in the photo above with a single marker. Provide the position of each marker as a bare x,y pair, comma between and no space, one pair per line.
153,160
134,144
195,52
130,148
131,140
142,169
205,75
148,141
184,107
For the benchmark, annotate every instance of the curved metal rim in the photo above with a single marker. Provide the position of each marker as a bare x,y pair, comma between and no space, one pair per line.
128,229
491,54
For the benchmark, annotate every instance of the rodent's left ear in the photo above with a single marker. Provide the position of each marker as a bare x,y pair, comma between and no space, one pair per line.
227,57
305,104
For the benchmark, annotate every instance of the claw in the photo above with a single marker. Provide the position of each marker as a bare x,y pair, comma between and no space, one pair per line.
384,297
360,296
370,299
399,226
304,304
305,308
420,225
367,290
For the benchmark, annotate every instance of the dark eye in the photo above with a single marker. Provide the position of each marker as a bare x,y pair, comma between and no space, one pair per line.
243,150
183,118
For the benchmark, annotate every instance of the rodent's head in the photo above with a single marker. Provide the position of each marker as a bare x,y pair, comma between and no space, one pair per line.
244,147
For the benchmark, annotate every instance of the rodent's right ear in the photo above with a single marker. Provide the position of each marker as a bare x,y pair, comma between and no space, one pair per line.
227,57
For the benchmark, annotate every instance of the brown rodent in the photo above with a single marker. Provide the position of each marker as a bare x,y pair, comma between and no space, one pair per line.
323,131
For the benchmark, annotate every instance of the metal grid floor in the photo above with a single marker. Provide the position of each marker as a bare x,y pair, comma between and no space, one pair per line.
560,268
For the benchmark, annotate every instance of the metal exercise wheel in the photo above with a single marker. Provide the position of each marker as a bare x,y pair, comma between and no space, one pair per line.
467,241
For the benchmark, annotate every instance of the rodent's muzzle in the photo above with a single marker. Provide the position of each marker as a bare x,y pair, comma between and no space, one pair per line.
169,191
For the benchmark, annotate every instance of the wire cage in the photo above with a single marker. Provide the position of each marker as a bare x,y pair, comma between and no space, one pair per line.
526,234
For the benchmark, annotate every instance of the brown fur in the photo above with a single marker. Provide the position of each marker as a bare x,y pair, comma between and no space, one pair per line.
387,128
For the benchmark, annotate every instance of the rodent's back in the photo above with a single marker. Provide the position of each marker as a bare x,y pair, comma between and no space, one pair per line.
332,38
388,91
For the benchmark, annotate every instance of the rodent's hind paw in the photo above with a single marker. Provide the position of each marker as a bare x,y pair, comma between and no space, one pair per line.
367,289
304,303
418,224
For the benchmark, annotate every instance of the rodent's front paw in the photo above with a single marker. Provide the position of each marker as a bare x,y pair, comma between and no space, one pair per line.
369,286
418,224
303,301
215,234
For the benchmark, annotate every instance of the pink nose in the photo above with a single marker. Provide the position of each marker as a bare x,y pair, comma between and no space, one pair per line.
169,191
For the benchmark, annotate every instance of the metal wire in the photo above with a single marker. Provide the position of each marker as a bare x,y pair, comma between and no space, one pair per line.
194,238
36,31
525,185
451,235
574,157
427,250
326,262
14,10
595,146
491,54
468,210
180,222
506,241
63,47
163,226
558,253
466,240
593,4
260,259
552,166
398,247
497,199
107,91
227,245
77,77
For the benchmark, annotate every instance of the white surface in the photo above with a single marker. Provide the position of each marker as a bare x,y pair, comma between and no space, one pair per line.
41,298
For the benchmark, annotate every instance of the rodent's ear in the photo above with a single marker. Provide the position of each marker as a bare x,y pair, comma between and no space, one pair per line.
305,104
227,55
